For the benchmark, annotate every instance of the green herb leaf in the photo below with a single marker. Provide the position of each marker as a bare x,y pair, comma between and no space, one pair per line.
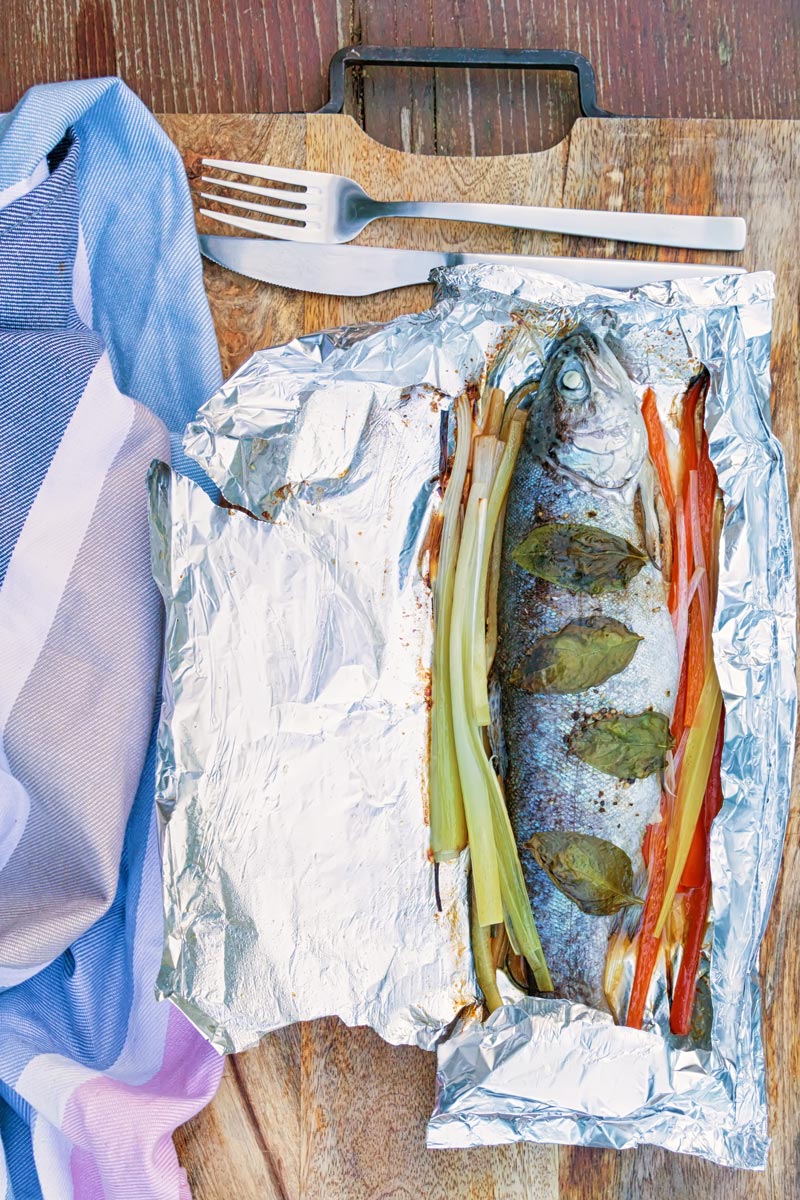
594,873
580,558
629,747
580,656
703,1011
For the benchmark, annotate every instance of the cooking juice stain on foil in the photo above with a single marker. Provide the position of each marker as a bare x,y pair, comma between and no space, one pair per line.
295,723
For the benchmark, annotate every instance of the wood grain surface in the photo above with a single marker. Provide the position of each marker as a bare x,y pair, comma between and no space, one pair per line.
687,58
321,1111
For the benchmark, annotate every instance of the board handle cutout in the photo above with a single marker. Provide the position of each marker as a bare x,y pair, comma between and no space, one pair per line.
459,56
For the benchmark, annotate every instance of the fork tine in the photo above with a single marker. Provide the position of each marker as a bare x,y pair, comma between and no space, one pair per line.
265,171
298,198
271,210
286,233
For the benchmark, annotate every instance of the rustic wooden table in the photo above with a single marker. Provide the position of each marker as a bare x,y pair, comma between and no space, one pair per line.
274,1129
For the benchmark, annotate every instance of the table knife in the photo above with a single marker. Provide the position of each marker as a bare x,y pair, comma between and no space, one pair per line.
345,270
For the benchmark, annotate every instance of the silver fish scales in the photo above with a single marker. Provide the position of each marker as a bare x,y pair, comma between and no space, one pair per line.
584,460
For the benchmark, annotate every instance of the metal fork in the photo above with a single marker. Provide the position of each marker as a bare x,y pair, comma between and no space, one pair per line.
332,208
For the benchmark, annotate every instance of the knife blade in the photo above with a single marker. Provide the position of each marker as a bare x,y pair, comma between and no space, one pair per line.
345,270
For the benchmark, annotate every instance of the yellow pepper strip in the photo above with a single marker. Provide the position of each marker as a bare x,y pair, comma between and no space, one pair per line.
694,772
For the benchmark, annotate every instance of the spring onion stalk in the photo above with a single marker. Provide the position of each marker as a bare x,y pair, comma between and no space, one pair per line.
494,412
470,754
496,554
520,925
692,783
487,453
495,563
512,407
448,823
477,629
483,958
468,576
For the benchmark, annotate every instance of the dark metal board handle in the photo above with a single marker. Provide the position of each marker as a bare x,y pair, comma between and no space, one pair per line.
427,56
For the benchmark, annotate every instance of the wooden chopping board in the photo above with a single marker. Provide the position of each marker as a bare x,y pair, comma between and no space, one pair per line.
321,1111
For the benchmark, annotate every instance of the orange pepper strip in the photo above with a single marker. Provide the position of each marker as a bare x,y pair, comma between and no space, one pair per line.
647,953
658,448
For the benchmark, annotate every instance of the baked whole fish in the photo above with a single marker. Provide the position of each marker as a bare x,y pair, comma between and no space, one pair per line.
586,663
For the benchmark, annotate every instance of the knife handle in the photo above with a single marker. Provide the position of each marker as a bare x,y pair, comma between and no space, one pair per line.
432,56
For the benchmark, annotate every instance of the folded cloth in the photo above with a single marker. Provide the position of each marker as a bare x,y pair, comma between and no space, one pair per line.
101,299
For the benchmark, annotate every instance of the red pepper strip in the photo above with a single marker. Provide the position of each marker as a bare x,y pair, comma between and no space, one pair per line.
695,869
689,451
658,448
679,712
696,903
707,495
647,953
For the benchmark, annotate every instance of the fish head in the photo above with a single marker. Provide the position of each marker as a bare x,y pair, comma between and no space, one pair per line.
585,417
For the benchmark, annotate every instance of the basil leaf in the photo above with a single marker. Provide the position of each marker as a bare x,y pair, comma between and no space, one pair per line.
580,656
629,747
580,558
594,873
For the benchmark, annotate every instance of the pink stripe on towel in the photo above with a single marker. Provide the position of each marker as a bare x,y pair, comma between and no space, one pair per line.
123,1133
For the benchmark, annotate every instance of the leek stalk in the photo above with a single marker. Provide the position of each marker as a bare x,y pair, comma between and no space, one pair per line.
483,958
469,749
448,823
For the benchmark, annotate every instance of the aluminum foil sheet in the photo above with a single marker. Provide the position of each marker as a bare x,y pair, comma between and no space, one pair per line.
293,741
293,745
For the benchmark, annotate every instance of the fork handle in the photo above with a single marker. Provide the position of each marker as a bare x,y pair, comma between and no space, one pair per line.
655,229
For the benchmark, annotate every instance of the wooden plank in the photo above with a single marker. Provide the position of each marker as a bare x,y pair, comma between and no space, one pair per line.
365,1107
686,58
248,1142
362,1105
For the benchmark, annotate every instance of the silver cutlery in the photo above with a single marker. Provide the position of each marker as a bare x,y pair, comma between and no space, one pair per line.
363,270
332,208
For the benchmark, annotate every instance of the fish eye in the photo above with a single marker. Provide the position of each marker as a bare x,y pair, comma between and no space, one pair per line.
573,383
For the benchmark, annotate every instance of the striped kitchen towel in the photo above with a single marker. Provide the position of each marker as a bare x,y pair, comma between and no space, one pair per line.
106,350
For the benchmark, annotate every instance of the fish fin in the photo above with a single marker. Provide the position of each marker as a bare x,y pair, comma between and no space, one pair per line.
653,515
